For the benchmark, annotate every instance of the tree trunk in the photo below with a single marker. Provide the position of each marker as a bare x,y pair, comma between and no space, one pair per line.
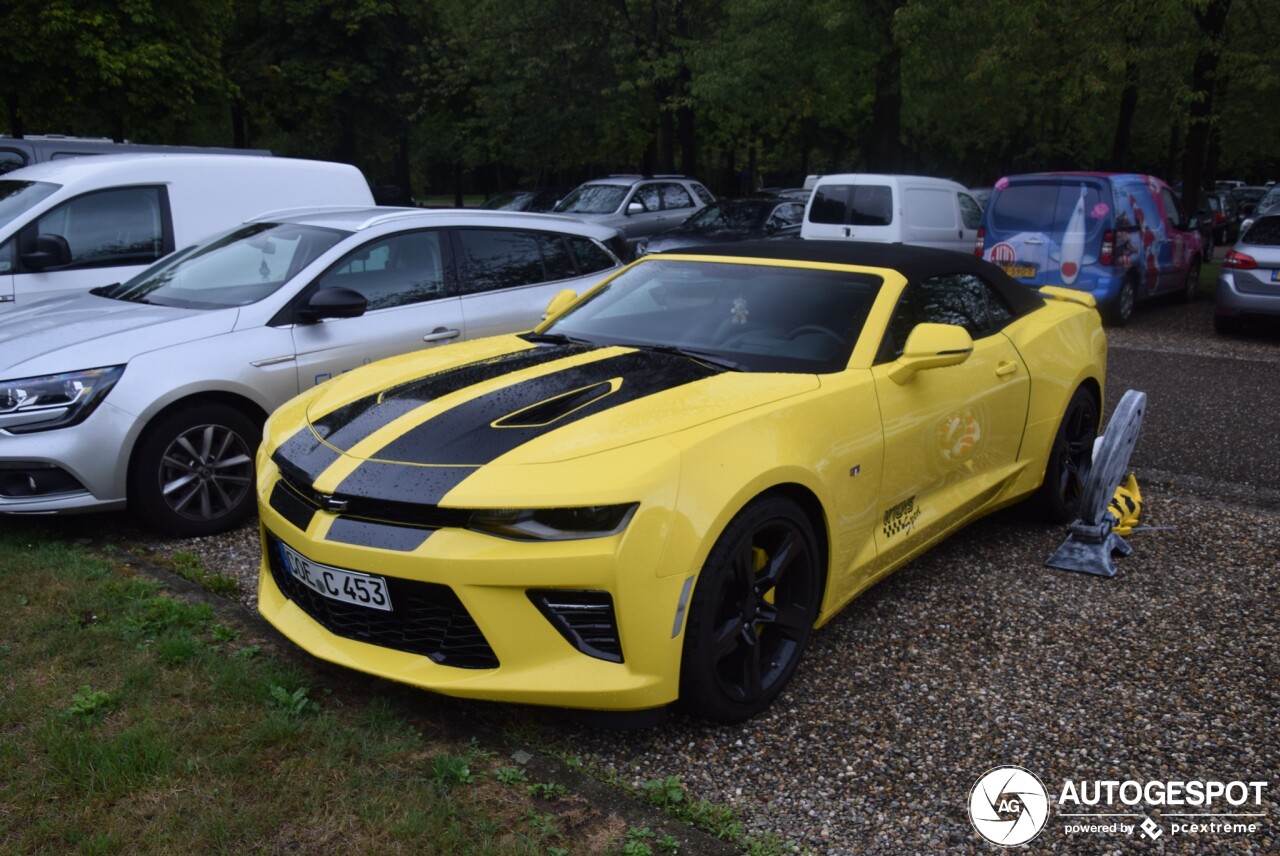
1122,144
1212,20
15,116
884,144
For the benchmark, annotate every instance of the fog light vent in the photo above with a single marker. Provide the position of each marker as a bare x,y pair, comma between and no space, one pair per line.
21,479
585,618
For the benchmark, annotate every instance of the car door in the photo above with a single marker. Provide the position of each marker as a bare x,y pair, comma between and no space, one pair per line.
951,435
412,304
1183,242
506,277
108,236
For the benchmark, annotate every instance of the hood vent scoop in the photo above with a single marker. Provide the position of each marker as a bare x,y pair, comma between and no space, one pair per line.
554,409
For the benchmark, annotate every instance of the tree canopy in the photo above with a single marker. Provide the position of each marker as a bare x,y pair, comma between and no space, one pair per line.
442,95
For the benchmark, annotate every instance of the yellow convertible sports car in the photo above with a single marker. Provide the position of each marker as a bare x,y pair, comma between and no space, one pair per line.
663,490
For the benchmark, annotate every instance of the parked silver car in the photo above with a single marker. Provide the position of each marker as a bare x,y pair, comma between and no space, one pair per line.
1249,279
637,206
153,392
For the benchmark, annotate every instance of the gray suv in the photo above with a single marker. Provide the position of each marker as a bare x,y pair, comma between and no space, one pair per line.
636,205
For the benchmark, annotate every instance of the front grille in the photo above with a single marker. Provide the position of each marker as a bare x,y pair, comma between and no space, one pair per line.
427,618
585,618
303,499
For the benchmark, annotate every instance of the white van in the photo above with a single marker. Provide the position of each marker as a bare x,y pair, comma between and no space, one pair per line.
75,224
896,209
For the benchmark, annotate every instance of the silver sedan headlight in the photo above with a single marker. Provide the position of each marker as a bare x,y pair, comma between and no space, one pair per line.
54,401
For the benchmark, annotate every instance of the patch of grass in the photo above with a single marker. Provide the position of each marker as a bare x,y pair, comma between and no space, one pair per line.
1208,278
136,722
190,567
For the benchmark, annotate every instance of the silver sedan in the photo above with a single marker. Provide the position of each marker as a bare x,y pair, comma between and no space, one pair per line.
1249,280
152,392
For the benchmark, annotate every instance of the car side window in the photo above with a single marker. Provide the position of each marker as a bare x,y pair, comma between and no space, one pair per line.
1172,208
963,299
787,214
556,258
11,160
675,196
649,196
591,257
122,226
852,205
493,259
970,211
393,271
703,193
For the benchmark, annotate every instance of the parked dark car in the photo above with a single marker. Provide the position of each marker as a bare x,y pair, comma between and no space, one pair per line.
539,201
1247,198
731,220
1218,220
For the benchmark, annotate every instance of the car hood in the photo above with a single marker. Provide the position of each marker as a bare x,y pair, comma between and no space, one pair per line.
420,434
79,331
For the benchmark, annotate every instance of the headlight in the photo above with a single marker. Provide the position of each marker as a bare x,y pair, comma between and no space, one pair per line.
554,524
53,401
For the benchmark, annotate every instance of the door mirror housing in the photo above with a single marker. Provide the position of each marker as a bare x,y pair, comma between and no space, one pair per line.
332,303
931,346
49,251
559,303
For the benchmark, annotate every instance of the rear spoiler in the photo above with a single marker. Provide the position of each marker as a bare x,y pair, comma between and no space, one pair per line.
1070,295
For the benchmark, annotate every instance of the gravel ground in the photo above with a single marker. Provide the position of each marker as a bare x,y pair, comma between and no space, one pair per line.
977,656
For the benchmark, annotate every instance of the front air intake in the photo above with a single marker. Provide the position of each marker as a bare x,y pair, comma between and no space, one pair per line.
584,618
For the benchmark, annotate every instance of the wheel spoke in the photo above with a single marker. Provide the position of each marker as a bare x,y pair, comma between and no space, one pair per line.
791,621
779,560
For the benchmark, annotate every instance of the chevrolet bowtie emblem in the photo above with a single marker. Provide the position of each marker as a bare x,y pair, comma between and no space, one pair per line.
329,503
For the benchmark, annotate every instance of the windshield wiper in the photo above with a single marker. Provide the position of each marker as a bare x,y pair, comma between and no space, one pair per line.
105,290
704,357
553,339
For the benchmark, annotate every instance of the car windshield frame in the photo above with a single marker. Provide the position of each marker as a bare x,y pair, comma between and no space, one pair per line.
748,314
594,199
18,196
236,268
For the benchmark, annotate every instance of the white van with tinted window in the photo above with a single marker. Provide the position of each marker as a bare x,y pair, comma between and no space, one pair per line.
75,224
894,209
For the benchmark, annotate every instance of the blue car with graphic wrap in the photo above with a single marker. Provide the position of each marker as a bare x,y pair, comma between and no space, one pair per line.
1122,237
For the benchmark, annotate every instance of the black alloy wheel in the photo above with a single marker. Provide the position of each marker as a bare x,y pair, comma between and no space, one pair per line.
1070,458
752,612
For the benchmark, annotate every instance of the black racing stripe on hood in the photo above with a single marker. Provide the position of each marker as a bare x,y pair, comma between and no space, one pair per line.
304,456
465,434
351,423
377,482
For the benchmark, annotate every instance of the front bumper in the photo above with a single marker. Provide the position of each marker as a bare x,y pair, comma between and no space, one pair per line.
480,634
80,468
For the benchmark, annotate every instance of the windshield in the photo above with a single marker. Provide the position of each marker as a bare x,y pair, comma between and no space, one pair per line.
235,269
593,199
18,196
731,215
755,317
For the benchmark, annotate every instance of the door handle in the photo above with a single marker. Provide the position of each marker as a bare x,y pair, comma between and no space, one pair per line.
1006,368
441,334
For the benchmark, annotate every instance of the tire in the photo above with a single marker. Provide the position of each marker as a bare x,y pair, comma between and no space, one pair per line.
1121,308
752,612
1191,287
1070,456
192,473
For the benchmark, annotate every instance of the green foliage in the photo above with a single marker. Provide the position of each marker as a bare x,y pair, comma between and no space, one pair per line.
548,790
88,704
293,703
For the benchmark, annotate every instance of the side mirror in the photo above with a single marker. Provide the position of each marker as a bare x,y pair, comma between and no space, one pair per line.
931,346
634,207
559,303
50,251
332,303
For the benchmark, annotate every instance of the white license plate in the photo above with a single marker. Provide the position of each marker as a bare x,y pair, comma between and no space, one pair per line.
1275,275
335,583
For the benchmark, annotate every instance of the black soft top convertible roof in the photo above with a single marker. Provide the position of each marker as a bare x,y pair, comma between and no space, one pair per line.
915,263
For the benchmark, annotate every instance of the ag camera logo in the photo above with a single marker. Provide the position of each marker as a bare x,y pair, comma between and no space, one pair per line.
1008,806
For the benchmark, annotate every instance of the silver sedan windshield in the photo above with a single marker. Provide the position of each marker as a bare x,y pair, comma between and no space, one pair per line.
235,269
